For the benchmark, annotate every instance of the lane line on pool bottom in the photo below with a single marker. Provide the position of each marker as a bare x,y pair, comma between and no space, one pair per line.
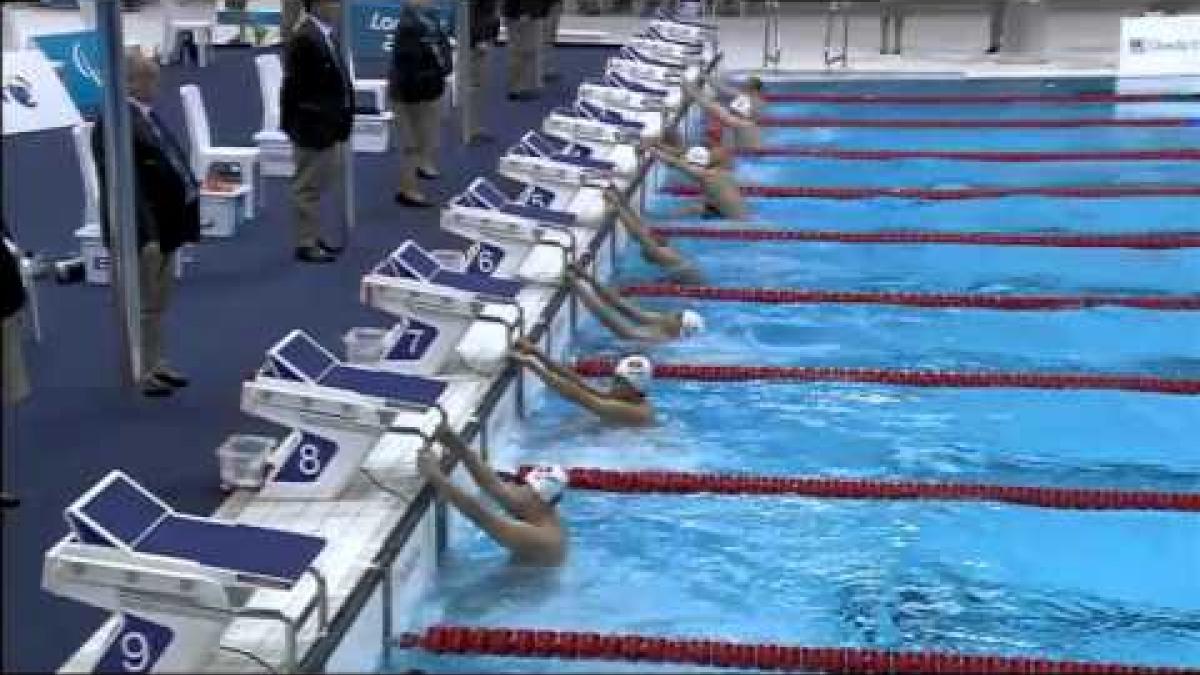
969,99
574,645
940,194
676,482
593,367
1141,240
1014,156
1014,302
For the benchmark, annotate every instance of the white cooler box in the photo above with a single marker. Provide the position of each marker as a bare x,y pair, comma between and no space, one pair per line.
96,262
222,213
372,132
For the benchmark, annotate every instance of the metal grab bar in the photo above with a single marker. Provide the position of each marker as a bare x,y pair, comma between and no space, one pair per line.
836,11
772,47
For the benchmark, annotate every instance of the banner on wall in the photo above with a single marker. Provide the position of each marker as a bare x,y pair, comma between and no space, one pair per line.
1160,45
81,72
34,98
372,23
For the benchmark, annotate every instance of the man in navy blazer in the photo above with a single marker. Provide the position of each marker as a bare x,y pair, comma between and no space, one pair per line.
316,107
166,202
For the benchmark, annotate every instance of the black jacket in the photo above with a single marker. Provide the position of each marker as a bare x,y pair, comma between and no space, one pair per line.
12,292
514,9
485,22
421,57
161,187
316,99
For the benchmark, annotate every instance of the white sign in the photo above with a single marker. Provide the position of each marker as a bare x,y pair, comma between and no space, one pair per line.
1154,45
34,98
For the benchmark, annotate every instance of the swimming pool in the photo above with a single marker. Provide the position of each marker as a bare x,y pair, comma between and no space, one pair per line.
976,578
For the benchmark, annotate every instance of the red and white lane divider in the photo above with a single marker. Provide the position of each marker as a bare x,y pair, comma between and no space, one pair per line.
1145,240
909,378
523,642
939,194
981,99
907,299
1165,155
675,482
978,123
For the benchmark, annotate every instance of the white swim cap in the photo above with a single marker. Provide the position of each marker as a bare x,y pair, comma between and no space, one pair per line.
548,481
698,155
742,105
636,370
690,323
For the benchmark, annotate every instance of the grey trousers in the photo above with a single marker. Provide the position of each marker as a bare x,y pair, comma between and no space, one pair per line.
16,380
477,67
996,14
524,42
156,279
891,26
418,129
547,64
315,170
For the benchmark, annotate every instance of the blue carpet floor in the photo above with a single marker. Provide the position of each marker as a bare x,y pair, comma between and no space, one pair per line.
240,296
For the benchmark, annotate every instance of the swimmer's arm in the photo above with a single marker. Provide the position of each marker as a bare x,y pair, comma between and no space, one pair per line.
510,533
484,477
609,315
626,306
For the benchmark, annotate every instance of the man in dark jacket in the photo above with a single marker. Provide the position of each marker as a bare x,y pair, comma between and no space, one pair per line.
421,60
485,28
166,199
522,19
12,299
316,108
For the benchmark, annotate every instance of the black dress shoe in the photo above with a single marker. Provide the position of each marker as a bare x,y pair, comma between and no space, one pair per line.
328,248
405,200
428,175
552,77
313,254
170,377
9,501
480,138
524,96
152,387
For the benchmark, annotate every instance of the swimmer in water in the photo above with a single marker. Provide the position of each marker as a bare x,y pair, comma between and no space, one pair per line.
711,166
530,528
743,114
655,249
626,319
625,402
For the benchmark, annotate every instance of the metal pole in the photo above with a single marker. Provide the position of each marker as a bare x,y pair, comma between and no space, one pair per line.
462,68
385,591
118,172
348,146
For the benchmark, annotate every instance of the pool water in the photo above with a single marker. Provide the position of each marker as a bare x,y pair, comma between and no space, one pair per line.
959,577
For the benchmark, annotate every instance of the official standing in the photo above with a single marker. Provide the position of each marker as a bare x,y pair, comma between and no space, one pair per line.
524,41
547,59
166,200
485,28
290,13
316,104
421,61
997,11
16,383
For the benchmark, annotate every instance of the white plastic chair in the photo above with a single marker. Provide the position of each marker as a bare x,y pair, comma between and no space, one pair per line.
82,134
275,159
183,16
203,153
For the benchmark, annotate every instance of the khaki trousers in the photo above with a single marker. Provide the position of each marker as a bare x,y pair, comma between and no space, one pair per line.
547,64
418,128
524,42
156,278
477,67
315,170
16,380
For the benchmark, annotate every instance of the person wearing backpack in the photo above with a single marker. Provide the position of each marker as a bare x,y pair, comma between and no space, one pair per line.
421,60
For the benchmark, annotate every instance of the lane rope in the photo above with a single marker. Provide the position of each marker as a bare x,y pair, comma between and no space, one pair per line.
912,299
927,99
533,643
1164,155
595,367
938,194
1144,240
979,123
677,482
